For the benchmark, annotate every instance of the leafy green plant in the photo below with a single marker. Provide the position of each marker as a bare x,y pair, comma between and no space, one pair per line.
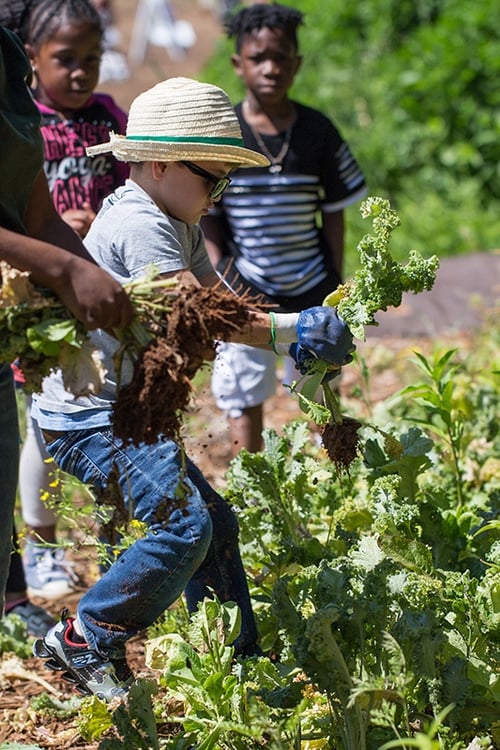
219,711
379,283
132,723
14,637
460,494
441,412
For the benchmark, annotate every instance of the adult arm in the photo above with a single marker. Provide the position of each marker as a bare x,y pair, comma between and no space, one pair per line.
55,256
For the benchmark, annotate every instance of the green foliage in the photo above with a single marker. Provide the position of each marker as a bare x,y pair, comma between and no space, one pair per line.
135,722
377,598
49,705
132,723
14,637
380,281
275,490
227,705
461,492
413,88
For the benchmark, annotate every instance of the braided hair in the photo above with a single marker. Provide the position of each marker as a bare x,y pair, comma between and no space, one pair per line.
15,15
49,15
263,15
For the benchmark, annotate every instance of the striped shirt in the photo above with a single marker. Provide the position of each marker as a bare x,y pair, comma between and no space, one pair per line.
272,219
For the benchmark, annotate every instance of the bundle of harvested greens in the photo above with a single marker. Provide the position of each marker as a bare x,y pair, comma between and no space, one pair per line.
173,333
39,332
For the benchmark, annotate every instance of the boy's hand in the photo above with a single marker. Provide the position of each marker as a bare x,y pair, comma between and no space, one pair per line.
323,335
307,363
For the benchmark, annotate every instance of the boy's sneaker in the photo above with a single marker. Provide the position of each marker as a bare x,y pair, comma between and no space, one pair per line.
47,571
36,619
90,672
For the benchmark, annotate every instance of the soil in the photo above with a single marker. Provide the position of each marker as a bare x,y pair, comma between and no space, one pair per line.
205,432
199,316
341,442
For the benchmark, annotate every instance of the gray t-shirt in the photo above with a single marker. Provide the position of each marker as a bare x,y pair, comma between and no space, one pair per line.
128,236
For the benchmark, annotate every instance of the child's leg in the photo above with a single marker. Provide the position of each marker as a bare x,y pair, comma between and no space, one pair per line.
222,570
48,572
154,571
243,378
35,478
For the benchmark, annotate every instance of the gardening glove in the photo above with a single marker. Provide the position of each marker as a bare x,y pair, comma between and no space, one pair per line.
313,334
321,332
323,335
305,361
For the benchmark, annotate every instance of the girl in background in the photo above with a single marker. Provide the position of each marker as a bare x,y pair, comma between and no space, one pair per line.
64,43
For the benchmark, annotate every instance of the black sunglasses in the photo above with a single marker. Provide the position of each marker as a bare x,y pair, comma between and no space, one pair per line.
219,183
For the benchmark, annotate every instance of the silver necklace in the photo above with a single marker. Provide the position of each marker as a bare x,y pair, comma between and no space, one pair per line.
276,161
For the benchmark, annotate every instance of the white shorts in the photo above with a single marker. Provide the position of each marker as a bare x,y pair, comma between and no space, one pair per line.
243,376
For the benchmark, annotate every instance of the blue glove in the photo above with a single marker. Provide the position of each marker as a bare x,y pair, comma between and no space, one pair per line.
305,361
322,334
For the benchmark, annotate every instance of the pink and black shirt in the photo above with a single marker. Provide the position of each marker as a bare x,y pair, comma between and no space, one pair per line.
73,177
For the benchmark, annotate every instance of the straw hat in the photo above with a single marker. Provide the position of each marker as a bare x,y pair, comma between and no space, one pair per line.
181,119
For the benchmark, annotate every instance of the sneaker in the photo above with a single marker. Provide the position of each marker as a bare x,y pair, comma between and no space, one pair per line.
47,571
90,672
36,619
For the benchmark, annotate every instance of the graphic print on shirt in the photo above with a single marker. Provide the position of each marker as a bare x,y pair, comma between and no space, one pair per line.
73,177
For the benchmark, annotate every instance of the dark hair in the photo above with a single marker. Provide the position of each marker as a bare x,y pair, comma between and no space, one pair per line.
15,14
260,15
49,15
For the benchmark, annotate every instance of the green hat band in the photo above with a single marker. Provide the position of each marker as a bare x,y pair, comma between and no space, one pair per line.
187,139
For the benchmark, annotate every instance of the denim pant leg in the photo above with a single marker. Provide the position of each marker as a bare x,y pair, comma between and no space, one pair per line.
154,571
9,463
222,570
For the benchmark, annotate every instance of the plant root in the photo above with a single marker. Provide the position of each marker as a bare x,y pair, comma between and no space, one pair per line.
342,442
153,404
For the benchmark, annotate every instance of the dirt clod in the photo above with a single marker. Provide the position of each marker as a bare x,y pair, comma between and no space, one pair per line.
153,404
342,442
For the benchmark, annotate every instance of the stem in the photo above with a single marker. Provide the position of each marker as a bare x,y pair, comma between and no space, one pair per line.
332,402
139,333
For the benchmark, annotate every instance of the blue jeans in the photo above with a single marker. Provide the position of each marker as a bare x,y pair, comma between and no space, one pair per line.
9,463
191,542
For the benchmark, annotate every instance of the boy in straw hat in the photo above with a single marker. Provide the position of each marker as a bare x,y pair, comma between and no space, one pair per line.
182,141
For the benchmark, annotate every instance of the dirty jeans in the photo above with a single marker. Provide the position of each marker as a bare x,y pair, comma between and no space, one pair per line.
190,544
9,462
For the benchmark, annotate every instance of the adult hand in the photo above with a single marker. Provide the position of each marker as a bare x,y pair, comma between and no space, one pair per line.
324,335
93,296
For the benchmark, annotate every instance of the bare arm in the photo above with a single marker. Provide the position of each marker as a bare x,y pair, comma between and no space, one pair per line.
333,229
256,333
88,291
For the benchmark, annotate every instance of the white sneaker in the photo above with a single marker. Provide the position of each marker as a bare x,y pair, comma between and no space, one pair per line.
47,571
